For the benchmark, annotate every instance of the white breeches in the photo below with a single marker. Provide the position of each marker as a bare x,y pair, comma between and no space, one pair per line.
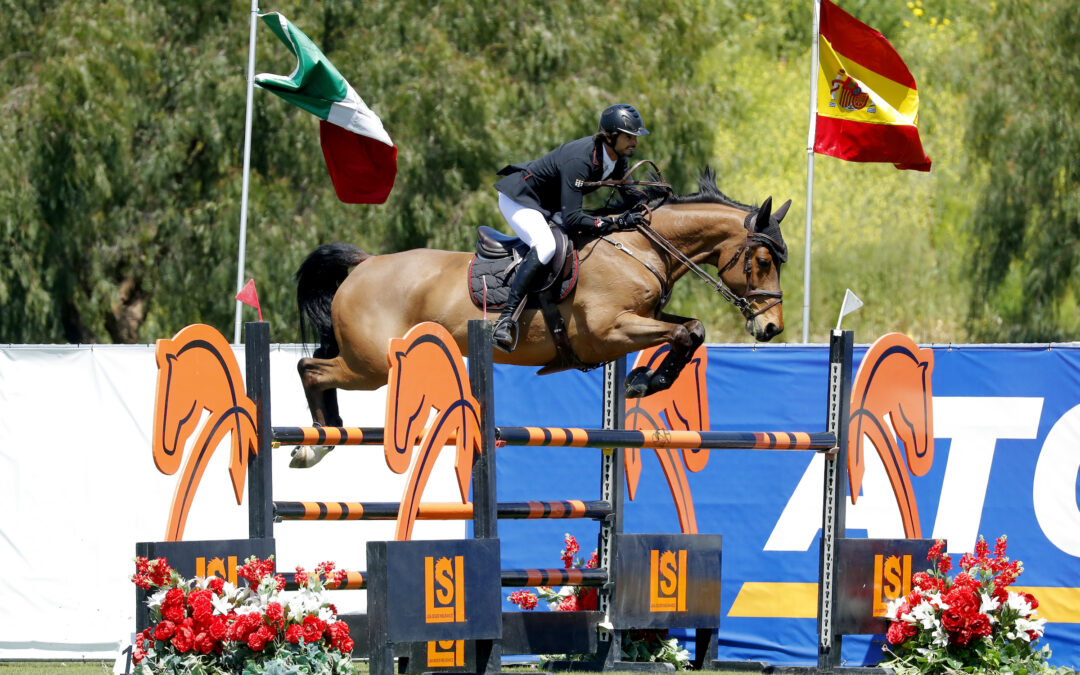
530,225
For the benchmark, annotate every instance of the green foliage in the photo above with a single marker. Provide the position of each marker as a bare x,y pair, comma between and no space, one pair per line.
120,180
1026,224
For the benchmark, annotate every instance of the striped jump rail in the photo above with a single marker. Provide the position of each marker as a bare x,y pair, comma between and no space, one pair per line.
335,436
353,581
515,578
660,438
440,510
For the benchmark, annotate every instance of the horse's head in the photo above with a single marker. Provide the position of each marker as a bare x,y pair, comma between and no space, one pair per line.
743,242
753,270
177,406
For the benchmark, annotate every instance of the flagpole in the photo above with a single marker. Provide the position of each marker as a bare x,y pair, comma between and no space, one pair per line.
814,57
247,165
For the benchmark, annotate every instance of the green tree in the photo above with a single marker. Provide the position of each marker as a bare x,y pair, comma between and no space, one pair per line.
1026,226
120,181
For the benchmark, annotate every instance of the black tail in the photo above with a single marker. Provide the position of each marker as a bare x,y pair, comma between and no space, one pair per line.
316,282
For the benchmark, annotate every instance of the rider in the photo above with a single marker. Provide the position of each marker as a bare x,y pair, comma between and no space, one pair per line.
532,192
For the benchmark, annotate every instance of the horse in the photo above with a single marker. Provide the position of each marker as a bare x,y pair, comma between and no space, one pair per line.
617,306
427,373
894,380
197,371
683,406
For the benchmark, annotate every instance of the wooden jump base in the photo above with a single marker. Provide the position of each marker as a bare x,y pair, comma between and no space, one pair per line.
524,632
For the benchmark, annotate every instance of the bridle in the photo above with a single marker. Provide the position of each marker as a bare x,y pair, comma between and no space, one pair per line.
753,239
741,302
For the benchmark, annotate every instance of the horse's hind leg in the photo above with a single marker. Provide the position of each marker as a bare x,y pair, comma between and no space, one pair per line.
320,377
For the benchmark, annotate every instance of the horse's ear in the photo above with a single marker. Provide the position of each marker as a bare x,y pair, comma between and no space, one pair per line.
761,220
781,212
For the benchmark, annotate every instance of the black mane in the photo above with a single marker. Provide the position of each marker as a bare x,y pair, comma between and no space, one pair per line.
707,193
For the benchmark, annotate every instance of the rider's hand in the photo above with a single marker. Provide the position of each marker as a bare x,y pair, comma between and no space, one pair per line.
629,220
604,226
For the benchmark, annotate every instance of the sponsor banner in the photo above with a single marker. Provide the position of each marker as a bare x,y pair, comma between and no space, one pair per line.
1006,427
430,591
667,581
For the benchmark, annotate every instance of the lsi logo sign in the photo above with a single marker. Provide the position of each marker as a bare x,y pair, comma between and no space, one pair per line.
667,581
446,653
892,580
444,590
217,568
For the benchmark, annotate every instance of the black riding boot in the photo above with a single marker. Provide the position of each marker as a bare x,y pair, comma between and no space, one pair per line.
506,326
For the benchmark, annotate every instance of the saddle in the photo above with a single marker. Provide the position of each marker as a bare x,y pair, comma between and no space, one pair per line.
492,270
498,255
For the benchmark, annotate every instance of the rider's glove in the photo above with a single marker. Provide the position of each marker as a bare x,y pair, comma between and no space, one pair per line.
603,226
629,220
623,221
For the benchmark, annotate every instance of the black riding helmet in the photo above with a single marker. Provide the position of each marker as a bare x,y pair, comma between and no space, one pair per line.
622,117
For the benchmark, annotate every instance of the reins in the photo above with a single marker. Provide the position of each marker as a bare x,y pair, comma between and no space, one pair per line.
741,302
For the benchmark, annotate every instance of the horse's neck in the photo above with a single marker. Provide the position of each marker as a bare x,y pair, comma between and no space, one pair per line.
700,232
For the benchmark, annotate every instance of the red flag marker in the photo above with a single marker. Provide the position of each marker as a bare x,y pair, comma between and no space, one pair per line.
249,296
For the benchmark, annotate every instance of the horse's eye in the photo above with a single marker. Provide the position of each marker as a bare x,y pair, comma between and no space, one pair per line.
763,263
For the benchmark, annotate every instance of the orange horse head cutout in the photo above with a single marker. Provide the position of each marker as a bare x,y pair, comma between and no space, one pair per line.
427,373
683,407
197,371
894,380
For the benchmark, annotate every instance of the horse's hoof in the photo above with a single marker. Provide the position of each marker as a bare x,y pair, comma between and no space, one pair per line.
307,456
637,382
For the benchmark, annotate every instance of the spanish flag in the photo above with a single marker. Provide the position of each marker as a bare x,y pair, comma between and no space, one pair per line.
867,105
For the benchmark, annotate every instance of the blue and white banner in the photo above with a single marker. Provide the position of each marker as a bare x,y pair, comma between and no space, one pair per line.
1007,452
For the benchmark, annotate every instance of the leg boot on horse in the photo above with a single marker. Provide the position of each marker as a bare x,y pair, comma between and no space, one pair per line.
506,328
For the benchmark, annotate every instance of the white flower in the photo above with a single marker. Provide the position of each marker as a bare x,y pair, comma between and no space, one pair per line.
1019,603
940,637
925,614
1023,626
326,614
304,602
988,604
222,604
891,607
155,600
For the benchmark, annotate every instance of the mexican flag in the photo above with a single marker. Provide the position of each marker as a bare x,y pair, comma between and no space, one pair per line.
359,154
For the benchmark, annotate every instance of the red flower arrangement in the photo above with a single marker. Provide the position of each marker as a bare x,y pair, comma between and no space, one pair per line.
971,623
209,625
637,645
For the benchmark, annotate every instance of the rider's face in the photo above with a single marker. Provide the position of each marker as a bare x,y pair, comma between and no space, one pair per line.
625,145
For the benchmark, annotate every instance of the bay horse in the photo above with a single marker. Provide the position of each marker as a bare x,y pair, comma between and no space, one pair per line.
617,307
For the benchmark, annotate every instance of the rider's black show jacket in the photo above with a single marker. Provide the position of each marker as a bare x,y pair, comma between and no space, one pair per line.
553,183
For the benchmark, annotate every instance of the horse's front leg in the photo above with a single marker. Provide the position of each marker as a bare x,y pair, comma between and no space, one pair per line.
683,334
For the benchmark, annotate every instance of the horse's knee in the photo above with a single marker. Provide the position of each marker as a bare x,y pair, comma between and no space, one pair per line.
682,339
312,374
697,332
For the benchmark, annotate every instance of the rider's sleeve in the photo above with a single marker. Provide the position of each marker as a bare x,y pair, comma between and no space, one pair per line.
573,175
